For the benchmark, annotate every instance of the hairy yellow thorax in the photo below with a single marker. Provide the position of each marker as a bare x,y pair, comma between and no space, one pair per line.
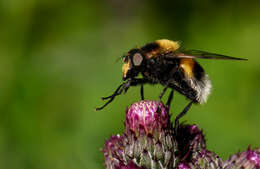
167,45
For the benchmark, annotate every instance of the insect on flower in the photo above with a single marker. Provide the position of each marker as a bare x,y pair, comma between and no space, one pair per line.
165,62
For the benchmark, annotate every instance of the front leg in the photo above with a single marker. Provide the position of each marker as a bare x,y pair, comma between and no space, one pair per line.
163,92
168,104
135,82
118,91
161,95
122,88
142,92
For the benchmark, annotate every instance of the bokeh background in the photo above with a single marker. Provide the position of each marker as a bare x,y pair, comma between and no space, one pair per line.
58,57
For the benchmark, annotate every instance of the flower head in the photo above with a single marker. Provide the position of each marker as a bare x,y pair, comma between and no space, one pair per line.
148,139
146,117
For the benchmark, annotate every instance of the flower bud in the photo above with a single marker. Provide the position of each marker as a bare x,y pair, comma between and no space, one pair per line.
146,117
150,135
148,140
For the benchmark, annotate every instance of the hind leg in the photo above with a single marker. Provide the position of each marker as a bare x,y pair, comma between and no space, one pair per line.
184,111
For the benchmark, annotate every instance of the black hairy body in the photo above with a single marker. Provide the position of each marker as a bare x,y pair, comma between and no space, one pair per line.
168,72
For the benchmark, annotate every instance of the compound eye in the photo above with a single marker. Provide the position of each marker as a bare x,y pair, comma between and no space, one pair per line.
137,59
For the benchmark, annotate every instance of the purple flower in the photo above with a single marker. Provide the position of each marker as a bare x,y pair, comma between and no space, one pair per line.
149,142
146,117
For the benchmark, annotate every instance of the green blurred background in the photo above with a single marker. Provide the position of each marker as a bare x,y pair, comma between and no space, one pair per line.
58,57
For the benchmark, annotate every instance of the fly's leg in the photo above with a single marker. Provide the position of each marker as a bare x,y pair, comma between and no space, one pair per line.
117,92
122,88
168,104
160,96
185,110
142,92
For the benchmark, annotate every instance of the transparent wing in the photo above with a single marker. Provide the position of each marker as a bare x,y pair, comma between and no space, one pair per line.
198,54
